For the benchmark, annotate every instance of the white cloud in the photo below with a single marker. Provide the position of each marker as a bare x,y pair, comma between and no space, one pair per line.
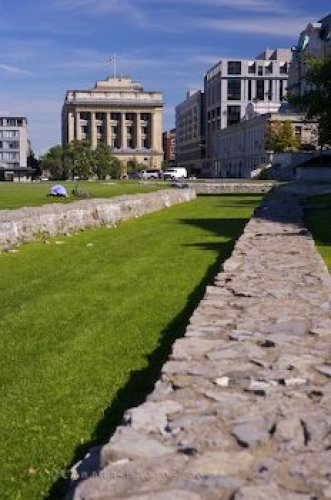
126,7
273,26
253,5
14,70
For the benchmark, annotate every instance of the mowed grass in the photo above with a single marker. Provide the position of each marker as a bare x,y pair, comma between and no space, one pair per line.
86,326
318,219
17,195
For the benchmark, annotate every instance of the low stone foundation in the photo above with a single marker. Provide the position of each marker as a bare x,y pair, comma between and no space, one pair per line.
242,410
231,187
27,224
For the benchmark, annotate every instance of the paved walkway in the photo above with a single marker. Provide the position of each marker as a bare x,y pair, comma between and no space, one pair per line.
243,407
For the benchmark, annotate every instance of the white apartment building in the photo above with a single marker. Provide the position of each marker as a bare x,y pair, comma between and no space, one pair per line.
190,140
14,147
119,112
240,149
230,85
314,40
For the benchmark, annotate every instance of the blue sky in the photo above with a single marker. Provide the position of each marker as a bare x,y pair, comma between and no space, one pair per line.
50,46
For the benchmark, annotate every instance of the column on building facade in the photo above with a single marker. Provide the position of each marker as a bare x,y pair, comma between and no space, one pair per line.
124,140
138,131
277,90
152,130
70,127
93,130
108,130
78,135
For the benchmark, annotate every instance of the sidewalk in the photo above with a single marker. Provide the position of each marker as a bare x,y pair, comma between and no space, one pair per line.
243,407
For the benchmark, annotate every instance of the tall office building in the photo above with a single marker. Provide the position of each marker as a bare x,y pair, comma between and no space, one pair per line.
190,137
120,113
233,83
14,147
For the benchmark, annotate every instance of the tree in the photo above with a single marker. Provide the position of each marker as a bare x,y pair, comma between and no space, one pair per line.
104,161
316,101
34,163
81,158
280,137
52,163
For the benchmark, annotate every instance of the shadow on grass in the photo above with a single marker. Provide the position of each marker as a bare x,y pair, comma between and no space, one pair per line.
317,217
142,382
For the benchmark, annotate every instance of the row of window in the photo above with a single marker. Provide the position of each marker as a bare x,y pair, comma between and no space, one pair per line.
85,129
9,145
9,134
84,115
130,142
11,122
263,90
235,68
9,156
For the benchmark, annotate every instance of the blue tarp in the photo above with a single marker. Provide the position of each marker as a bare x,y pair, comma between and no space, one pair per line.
58,190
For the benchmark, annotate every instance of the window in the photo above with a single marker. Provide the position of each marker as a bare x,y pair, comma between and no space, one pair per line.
260,90
234,68
234,89
99,116
268,69
252,68
84,115
260,70
249,90
283,69
298,131
233,115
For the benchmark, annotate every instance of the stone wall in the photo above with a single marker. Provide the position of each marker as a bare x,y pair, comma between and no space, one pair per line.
231,187
242,409
27,224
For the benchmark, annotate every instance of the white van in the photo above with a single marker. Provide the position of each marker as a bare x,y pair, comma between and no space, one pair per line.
175,173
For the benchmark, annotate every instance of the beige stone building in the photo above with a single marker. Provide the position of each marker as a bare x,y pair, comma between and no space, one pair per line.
240,149
121,113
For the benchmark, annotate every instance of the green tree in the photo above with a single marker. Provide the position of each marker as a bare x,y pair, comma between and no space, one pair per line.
280,137
316,101
104,161
82,159
52,162
34,163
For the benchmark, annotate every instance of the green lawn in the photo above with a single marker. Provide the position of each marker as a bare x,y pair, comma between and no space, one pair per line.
318,217
16,195
86,326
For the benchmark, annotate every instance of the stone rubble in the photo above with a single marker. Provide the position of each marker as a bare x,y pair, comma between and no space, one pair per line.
242,409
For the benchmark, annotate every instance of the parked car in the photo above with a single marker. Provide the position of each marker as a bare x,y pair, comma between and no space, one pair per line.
150,174
134,175
175,173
